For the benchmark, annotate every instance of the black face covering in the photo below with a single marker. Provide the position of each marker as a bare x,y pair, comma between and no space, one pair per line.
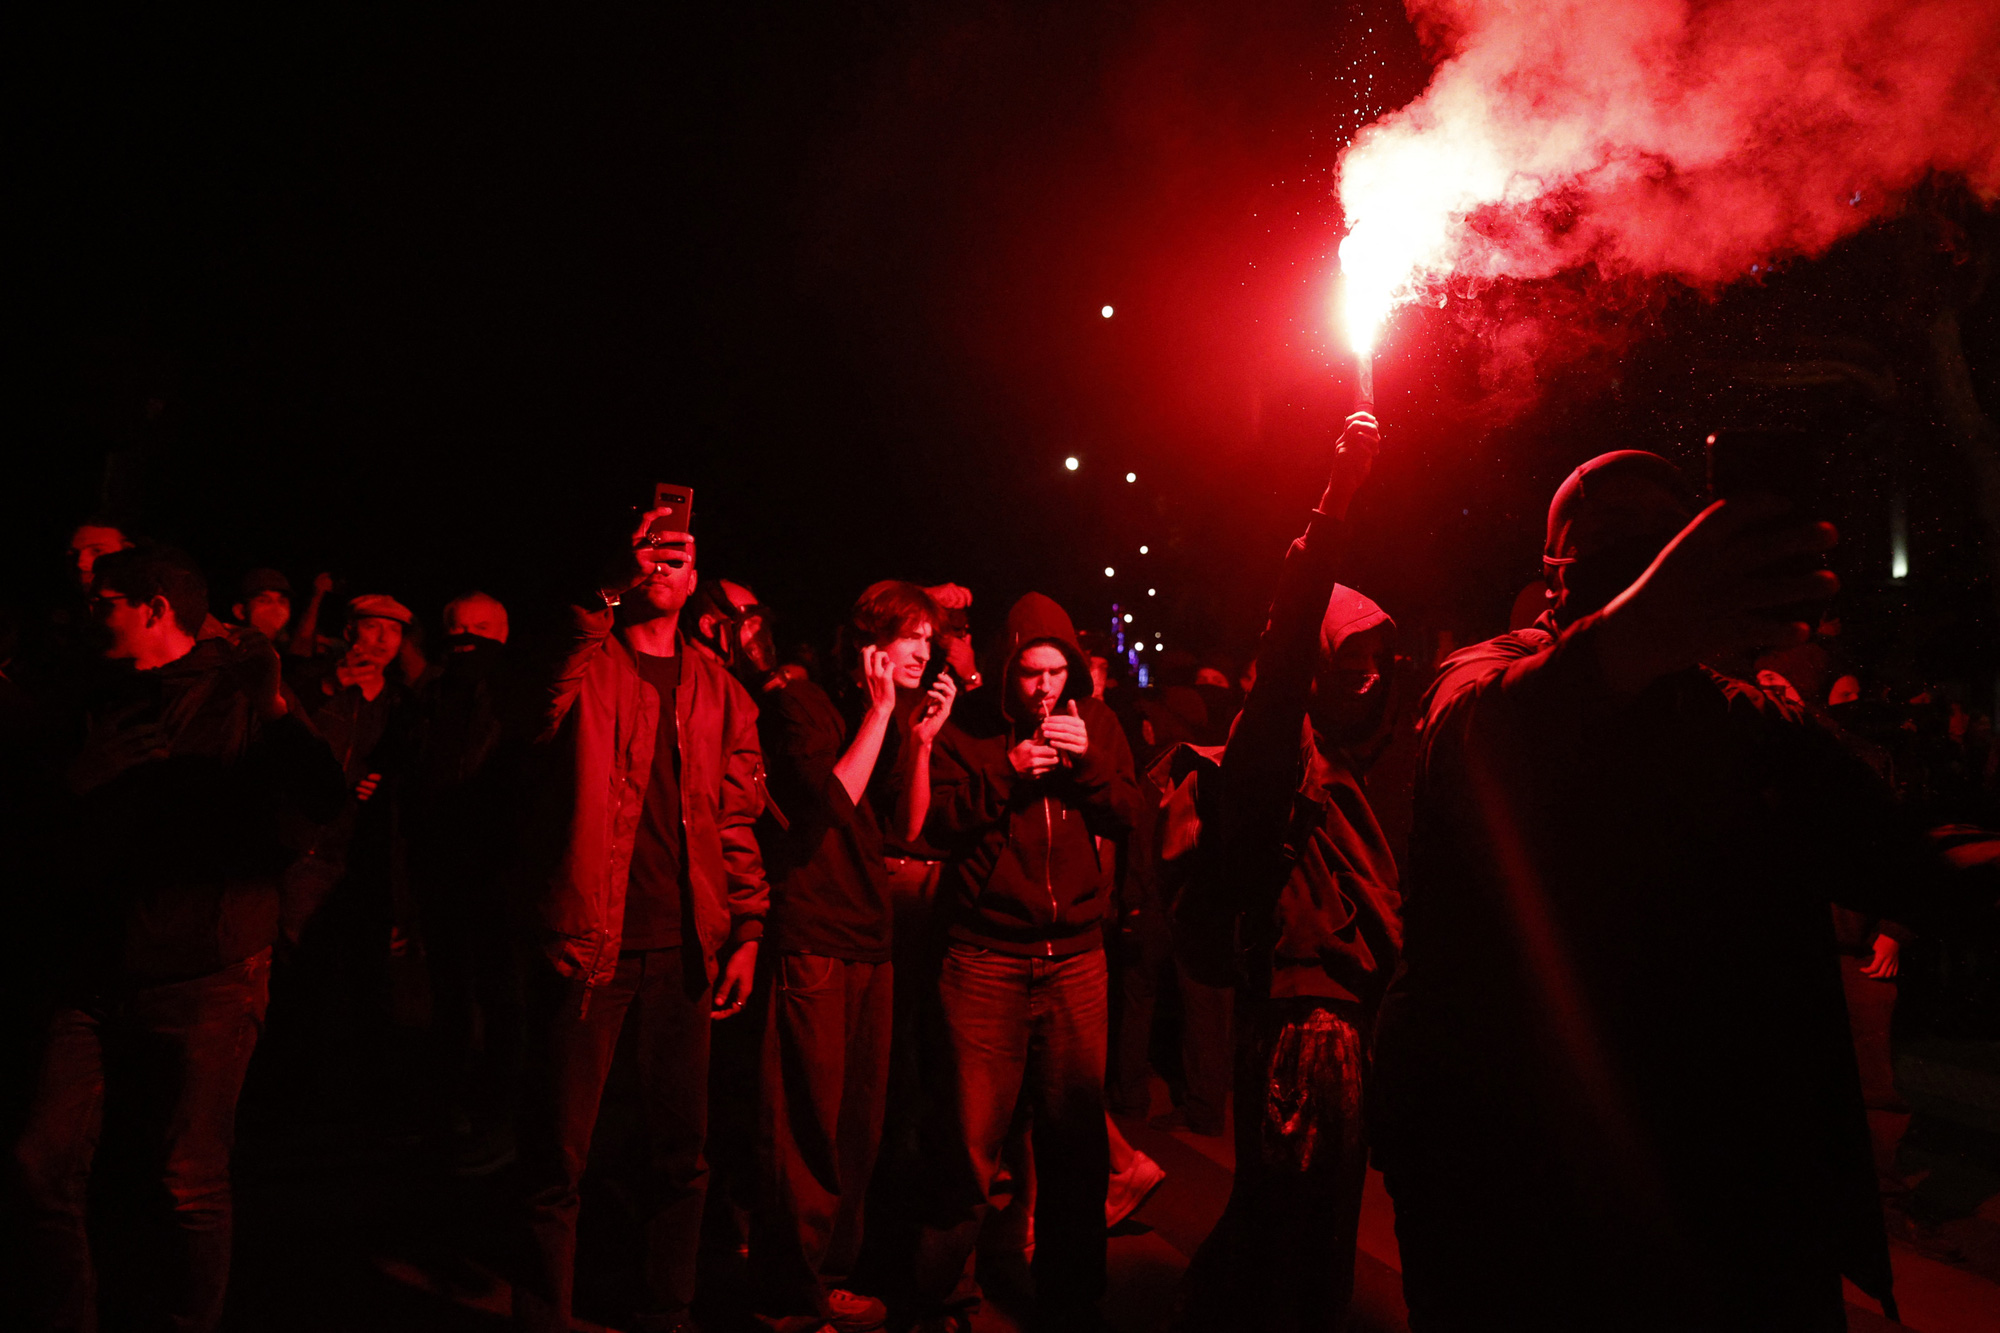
1590,583
751,663
471,654
1348,707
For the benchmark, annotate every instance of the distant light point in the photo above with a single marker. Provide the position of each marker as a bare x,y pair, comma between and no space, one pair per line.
1106,312
1143,550
1109,572
1151,591
1070,462
1128,617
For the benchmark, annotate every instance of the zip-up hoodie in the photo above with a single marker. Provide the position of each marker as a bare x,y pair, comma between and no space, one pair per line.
1027,874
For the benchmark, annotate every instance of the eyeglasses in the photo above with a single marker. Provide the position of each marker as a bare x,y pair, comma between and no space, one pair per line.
102,602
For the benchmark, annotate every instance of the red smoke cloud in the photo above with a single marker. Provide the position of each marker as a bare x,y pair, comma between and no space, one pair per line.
1639,138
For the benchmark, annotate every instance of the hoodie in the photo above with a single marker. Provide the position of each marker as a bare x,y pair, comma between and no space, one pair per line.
1318,883
1029,869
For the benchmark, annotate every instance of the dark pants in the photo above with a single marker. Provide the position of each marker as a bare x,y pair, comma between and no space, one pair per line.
1144,951
1015,1029
1206,1051
825,1070
1871,1009
476,1004
668,991
896,1197
171,1060
1281,1259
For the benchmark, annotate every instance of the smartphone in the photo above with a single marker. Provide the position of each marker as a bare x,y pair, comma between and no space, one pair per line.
678,502
933,669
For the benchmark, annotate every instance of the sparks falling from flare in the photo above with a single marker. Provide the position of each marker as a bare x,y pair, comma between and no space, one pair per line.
1405,215
1657,139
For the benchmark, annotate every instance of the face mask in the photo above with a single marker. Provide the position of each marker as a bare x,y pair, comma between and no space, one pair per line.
1590,583
751,662
1348,706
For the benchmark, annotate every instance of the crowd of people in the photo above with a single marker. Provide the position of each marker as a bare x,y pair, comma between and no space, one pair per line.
886,941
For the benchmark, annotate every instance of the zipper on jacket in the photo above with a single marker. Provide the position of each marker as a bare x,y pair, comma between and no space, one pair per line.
1048,874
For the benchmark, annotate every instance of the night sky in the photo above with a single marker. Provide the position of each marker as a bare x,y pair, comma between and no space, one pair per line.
428,299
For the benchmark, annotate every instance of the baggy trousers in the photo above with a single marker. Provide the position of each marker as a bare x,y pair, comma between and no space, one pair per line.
825,1073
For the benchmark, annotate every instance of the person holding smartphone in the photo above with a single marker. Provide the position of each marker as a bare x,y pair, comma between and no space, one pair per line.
834,775
1026,791
649,895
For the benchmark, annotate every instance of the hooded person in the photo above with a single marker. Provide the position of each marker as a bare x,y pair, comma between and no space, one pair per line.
1305,871
459,807
1614,1085
1030,786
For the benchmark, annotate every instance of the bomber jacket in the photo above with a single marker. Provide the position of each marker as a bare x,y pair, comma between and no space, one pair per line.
1030,868
598,724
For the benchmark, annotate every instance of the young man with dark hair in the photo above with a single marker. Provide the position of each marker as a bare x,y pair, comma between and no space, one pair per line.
94,538
1026,790
189,751
826,1049
649,896
265,604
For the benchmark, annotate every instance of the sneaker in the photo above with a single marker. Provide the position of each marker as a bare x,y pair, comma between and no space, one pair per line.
851,1312
1131,1187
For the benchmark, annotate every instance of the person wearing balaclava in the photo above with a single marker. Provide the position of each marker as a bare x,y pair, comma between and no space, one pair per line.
460,801
1311,890
1613,1083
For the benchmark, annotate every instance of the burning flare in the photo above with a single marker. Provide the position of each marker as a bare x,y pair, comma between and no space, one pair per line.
1658,138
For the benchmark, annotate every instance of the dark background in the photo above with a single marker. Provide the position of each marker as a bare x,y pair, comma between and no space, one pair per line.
427,299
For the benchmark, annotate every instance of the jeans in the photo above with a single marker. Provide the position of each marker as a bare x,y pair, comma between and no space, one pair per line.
172,1059
668,991
1016,1028
825,1073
